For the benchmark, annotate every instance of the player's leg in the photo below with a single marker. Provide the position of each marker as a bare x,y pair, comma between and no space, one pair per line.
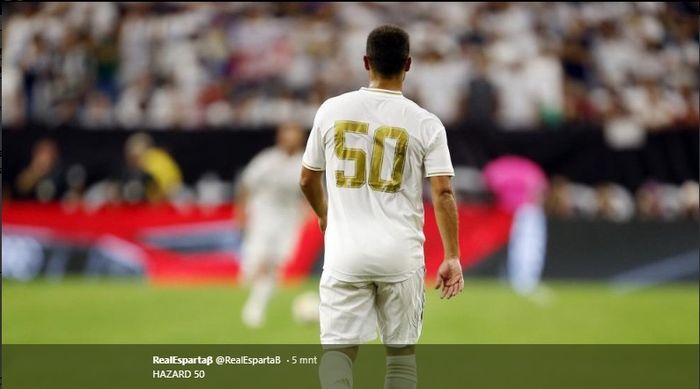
260,274
527,248
266,249
400,317
262,287
335,369
401,370
347,319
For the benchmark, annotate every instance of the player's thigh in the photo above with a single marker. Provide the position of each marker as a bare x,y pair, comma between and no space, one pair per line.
346,312
400,310
273,242
256,255
284,242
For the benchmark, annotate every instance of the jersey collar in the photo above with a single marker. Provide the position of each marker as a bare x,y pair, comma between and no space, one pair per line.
378,90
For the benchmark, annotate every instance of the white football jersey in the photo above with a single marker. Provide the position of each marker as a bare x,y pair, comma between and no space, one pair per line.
375,146
275,200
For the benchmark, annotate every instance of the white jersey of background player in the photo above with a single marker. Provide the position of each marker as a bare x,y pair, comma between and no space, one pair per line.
270,216
375,147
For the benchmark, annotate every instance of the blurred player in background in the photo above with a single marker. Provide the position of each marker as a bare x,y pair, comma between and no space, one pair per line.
376,146
519,186
270,213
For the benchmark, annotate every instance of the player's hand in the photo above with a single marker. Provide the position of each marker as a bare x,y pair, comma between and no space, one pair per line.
450,278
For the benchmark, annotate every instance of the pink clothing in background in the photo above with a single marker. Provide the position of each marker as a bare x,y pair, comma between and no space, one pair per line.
515,181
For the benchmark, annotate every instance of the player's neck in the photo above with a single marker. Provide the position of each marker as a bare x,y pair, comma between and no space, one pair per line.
393,84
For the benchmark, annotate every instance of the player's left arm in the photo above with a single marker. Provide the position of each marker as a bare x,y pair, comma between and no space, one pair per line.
312,187
450,278
438,167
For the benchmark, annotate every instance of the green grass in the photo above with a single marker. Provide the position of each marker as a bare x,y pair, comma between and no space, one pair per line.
80,311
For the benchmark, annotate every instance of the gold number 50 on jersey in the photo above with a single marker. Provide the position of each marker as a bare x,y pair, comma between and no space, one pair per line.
359,156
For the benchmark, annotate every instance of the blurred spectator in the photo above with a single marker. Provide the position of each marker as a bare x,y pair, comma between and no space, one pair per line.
140,65
97,111
481,101
558,202
545,73
519,186
653,107
690,199
578,109
622,129
615,202
583,201
659,201
572,200
150,172
518,106
438,77
689,115
43,179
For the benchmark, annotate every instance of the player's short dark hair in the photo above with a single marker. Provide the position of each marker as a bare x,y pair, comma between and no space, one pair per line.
387,49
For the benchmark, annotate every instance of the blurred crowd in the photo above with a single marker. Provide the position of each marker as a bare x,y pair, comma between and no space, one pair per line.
613,202
149,174
629,67
568,199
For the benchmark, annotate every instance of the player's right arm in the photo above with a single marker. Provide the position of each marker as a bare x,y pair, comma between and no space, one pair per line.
312,188
240,205
249,179
314,163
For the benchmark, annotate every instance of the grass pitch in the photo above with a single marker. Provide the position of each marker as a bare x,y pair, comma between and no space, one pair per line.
93,311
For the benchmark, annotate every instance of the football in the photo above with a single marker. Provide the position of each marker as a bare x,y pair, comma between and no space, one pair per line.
305,308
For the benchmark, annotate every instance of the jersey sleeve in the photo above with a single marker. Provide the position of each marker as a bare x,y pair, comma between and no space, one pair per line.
253,171
437,157
314,156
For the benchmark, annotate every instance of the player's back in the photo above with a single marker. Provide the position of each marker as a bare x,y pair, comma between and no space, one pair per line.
376,146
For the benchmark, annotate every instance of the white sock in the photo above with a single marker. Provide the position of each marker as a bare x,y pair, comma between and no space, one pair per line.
335,370
401,372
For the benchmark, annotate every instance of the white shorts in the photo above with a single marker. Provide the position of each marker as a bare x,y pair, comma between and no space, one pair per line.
271,248
352,312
